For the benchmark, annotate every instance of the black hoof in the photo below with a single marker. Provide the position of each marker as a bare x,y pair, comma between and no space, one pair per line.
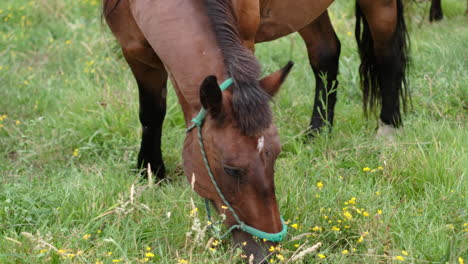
435,16
158,170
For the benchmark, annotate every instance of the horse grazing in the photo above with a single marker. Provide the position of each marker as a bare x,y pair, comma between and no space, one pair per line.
230,152
205,47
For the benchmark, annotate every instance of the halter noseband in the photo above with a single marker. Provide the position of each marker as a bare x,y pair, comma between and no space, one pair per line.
198,122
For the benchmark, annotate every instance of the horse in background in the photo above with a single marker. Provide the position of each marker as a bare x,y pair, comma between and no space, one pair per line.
382,40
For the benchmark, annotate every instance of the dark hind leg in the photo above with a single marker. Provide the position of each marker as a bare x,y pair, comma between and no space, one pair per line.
382,40
151,80
435,12
323,48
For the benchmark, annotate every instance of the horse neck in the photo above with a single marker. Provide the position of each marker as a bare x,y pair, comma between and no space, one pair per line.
181,34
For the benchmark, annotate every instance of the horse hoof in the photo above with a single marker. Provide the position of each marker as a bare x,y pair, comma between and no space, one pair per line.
386,131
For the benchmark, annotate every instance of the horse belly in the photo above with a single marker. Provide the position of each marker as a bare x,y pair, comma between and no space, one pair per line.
279,18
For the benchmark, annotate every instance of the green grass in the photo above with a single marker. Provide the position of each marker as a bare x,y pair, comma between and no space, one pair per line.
65,86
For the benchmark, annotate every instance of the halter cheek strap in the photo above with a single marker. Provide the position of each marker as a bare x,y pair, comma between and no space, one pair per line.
275,237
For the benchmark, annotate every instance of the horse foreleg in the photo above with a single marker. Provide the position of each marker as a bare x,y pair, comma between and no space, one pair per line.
151,77
323,48
435,13
151,80
381,35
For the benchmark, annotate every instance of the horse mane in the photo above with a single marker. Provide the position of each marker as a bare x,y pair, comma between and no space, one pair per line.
250,105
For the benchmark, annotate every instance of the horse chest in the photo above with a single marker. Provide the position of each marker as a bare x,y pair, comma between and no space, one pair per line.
279,18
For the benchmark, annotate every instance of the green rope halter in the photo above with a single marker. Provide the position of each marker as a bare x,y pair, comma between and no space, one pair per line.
198,122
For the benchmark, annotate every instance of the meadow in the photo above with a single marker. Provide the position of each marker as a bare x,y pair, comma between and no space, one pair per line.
69,137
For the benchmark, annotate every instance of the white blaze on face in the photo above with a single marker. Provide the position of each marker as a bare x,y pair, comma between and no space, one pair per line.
260,144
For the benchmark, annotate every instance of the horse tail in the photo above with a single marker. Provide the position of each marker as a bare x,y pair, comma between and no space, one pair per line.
369,69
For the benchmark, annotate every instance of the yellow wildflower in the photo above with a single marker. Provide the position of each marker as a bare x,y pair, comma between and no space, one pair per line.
18,122
360,239
380,168
344,252
43,250
295,226
148,248
377,193
460,260
61,251
271,249
365,214
366,169
296,245
109,253
193,211
319,185
334,228
315,228
322,256
182,261
280,257
213,249
404,253
400,258
348,215
379,211
116,260
86,236
149,254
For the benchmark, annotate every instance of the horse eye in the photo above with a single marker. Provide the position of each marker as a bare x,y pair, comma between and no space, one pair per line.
234,172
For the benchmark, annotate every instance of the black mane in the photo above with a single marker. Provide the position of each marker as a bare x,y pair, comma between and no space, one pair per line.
249,101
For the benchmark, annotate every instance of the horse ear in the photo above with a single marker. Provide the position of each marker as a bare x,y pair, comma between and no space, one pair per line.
272,82
210,96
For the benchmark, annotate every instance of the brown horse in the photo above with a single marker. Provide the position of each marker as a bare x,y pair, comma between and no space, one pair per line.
199,44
